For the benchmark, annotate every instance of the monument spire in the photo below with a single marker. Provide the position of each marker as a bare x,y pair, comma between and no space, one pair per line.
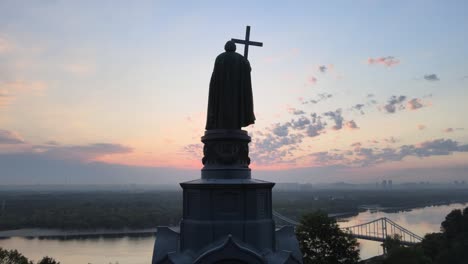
247,42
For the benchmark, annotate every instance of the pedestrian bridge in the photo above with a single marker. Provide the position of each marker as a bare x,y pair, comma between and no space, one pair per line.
376,230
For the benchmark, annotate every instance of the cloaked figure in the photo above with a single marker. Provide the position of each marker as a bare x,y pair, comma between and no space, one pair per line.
230,101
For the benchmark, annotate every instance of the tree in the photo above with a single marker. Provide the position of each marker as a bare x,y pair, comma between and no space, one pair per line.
406,255
48,260
392,242
12,257
397,253
322,241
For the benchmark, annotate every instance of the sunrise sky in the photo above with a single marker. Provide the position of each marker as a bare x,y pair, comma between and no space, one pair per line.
343,90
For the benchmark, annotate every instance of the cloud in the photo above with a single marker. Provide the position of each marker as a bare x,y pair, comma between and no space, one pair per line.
83,153
315,129
351,125
391,140
364,156
358,107
300,123
414,104
5,98
450,129
327,158
80,68
421,127
312,80
195,151
322,68
10,90
387,61
281,130
24,86
295,111
272,149
320,97
431,77
8,137
336,117
394,103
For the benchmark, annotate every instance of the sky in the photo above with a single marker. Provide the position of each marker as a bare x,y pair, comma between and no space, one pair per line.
116,91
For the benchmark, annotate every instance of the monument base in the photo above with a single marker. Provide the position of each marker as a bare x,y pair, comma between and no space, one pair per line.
227,216
226,221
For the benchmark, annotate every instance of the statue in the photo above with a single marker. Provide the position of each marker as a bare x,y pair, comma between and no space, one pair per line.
230,101
227,215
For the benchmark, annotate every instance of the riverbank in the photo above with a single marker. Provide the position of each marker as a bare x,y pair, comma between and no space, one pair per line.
71,234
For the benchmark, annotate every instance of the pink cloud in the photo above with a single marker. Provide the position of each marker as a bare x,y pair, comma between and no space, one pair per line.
387,61
5,98
312,80
9,137
415,104
80,68
448,130
10,90
351,125
23,86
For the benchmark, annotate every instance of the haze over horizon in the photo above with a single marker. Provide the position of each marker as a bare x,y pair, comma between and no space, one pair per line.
115,93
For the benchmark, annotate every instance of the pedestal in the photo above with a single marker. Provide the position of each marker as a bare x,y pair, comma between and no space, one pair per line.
227,216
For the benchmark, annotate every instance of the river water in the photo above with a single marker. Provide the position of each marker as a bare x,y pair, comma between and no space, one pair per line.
138,250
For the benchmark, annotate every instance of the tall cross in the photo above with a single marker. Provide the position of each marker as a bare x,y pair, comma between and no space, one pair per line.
247,42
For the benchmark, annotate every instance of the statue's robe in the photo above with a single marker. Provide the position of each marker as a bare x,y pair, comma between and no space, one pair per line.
230,102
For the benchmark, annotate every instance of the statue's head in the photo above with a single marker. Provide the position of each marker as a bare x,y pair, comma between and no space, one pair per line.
230,46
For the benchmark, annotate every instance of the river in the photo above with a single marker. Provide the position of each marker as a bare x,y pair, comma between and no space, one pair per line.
138,250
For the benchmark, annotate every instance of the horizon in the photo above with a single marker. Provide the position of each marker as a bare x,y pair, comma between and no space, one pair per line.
112,93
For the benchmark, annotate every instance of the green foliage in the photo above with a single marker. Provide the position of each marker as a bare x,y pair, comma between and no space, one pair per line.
406,255
391,243
12,257
322,241
48,260
450,246
91,210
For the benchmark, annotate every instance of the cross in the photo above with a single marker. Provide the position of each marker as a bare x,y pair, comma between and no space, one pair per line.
247,42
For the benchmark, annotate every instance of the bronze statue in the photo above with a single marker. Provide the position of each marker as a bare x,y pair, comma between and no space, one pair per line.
230,101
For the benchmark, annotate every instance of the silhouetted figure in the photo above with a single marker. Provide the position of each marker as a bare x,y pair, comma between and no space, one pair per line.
230,102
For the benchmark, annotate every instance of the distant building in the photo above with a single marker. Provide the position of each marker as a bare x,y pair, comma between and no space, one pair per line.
384,184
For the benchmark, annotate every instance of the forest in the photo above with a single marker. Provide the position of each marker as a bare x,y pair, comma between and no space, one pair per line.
88,210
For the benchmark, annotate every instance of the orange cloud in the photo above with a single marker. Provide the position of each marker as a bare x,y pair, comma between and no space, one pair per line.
351,125
10,90
80,68
388,61
5,98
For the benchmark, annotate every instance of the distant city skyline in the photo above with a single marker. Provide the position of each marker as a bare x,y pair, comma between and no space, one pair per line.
116,91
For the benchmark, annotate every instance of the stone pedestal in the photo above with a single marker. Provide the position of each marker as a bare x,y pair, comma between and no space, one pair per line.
225,154
227,216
